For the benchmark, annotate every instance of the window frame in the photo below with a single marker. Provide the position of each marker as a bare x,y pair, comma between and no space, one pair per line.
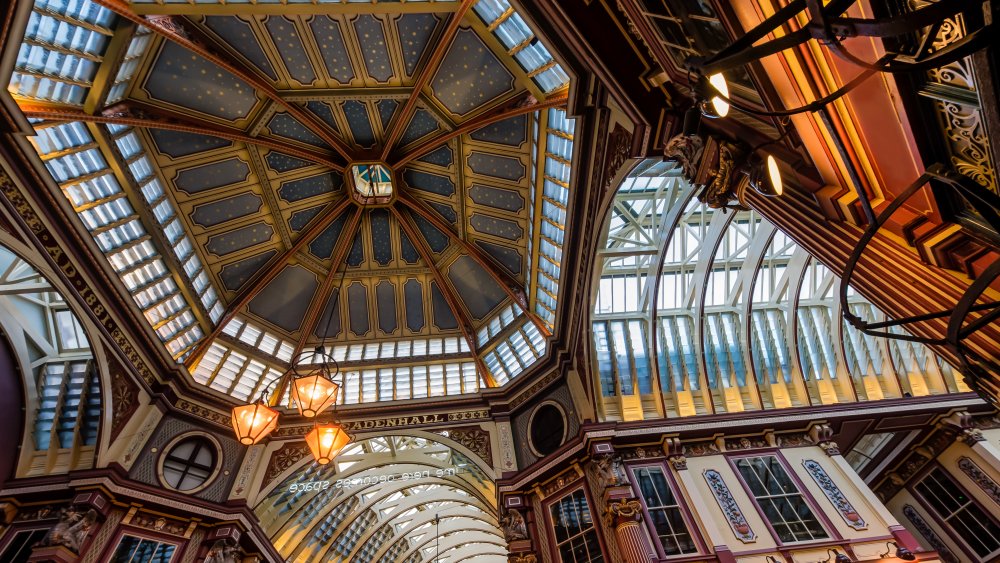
940,520
143,534
569,490
217,460
12,532
682,504
807,497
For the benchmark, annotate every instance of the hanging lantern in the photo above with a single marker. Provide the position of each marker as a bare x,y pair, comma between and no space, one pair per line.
254,422
316,391
326,441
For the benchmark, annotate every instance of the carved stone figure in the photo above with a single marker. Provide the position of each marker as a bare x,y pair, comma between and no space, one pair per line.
514,526
610,470
721,189
224,551
72,529
687,151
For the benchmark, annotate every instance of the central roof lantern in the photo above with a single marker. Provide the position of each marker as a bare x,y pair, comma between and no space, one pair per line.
372,182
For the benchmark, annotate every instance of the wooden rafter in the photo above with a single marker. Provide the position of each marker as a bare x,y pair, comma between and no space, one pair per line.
424,77
325,292
123,114
506,281
446,290
271,270
174,29
521,106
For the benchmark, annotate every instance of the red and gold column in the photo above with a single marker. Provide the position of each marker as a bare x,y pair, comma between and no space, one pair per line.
624,516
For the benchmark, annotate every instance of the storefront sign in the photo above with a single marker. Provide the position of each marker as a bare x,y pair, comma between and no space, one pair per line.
420,420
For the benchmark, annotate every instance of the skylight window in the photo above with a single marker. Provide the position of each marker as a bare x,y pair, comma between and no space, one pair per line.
372,180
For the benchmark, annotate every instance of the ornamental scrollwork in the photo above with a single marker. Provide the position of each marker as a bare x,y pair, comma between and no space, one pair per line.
985,482
925,530
732,511
836,496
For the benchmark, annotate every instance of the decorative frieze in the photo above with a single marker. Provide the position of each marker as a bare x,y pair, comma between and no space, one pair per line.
928,533
732,511
474,438
285,456
980,478
836,496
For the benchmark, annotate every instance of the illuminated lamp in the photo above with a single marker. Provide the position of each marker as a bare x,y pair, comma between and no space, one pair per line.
901,552
254,421
838,557
316,391
716,106
765,178
326,441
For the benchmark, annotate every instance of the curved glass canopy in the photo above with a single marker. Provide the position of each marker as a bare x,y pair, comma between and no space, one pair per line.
390,181
703,311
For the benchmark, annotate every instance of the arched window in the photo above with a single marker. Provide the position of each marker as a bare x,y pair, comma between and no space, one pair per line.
62,383
702,311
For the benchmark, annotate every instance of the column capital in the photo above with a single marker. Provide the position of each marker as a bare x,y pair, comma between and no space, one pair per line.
623,511
679,462
830,448
522,558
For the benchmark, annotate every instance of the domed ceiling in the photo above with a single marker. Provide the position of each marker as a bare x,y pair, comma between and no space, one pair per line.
389,179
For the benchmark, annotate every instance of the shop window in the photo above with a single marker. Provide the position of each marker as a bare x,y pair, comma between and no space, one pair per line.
19,548
133,549
664,511
967,520
575,536
189,464
779,499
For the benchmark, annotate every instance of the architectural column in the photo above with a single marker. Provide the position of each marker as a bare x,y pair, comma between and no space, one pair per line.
712,531
624,515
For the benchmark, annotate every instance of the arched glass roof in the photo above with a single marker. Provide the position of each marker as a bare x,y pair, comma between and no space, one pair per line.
700,310
389,499
241,171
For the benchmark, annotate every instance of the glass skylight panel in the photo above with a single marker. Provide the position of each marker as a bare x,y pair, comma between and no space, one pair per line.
513,32
130,63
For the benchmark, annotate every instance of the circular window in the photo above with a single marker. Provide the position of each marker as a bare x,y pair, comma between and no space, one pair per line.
189,463
548,429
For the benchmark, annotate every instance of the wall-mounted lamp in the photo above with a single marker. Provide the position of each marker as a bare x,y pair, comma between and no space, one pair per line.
773,559
901,552
837,557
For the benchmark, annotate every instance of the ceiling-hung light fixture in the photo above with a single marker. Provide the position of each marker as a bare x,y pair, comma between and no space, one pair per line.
901,552
253,422
316,390
326,440
717,105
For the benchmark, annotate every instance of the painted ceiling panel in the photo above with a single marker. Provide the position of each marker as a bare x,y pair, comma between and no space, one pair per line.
370,32
357,306
436,240
496,226
477,289
446,211
360,123
444,318
281,162
177,144
415,31
386,109
288,41
328,327
422,124
441,156
223,210
499,198
187,80
284,125
240,239
356,256
286,298
413,294
235,274
300,219
497,166
407,251
312,186
322,246
209,176
330,40
433,183
381,238
512,132
385,293
324,112
239,34
507,257
470,75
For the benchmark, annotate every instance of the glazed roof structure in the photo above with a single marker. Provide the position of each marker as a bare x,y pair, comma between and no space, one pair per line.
388,179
